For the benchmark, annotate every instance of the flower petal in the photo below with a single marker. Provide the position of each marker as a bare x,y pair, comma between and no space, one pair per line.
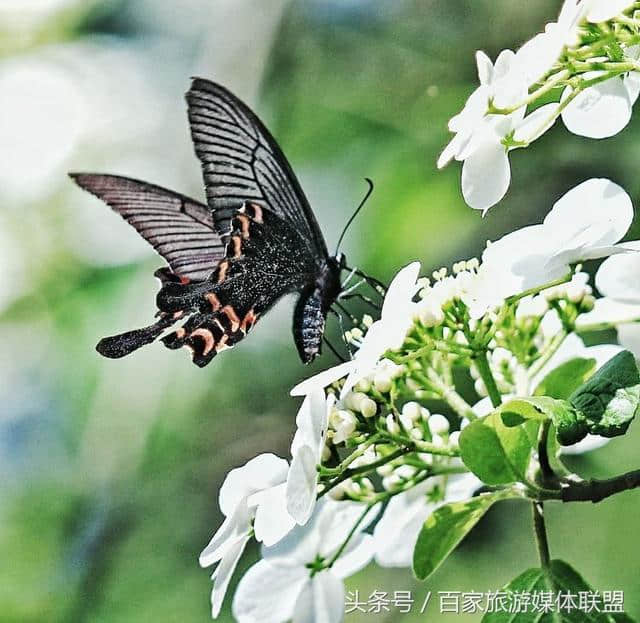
356,556
486,175
267,593
234,528
589,443
302,485
535,124
261,472
222,574
323,379
609,311
617,277
595,213
272,521
604,10
600,111
629,337
321,600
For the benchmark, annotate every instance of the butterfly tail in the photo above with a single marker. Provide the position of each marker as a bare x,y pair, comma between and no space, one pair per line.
118,346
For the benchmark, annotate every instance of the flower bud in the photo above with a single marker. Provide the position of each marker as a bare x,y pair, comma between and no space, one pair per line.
392,425
438,424
368,407
416,433
411,411
382,381
454,439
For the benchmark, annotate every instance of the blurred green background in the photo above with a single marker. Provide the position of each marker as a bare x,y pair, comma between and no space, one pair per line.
110,469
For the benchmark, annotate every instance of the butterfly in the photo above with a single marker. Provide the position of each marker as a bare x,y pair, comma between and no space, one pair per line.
231,260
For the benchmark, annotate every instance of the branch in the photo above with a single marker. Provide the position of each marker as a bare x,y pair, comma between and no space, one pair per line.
595,490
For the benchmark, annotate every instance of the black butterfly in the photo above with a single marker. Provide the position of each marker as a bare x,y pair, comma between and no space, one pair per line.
229,261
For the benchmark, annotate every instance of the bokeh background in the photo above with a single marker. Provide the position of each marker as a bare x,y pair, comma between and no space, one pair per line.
110,469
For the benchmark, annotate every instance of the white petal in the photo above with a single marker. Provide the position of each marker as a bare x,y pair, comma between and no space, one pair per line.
600,111
272,520
537,56
617,277
609,311
485,176
373,346
629,337
321,600
311,421
222,575
233,529
267,593
302,485
604,10
400,292
323,379
396,533
485,67
534,125
336,521
356,556
595,213
589,443
261,472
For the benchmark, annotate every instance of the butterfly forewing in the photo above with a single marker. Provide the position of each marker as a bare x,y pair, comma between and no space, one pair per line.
180,229
242,162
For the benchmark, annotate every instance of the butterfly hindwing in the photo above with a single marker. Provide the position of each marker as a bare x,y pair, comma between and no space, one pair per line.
180,229
265,259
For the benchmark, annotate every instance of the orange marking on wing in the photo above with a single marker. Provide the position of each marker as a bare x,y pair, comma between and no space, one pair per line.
223,267
249,320
180,333
237,246
257,217
222,344
213,300
207,336
230,313
244,225
185,280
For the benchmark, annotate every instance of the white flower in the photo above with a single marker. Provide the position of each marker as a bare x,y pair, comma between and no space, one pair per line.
242,494
604,10
390,331
604,109
282,587
617,280
586,223
306,451
396,533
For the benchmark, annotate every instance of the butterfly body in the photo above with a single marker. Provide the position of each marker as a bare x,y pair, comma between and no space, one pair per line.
231,260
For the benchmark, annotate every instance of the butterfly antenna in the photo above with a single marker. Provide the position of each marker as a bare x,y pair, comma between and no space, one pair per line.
353,216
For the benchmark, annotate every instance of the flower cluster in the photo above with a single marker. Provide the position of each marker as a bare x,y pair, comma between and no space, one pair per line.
586,63
383,435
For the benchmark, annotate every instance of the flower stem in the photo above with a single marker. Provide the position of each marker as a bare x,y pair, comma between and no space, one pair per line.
540,531
531,291
482,363
550,351
451,396
342,547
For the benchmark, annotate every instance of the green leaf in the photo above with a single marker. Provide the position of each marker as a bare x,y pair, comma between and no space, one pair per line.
498,452
558,578
562,381
446,527
609,400
569,423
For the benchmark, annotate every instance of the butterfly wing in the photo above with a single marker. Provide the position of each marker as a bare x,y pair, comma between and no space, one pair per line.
180,229
242,162
265,259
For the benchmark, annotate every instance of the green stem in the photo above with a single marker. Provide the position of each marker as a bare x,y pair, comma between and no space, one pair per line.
334,471
482,363
540,531
549,352
532,291
342,547
450,395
